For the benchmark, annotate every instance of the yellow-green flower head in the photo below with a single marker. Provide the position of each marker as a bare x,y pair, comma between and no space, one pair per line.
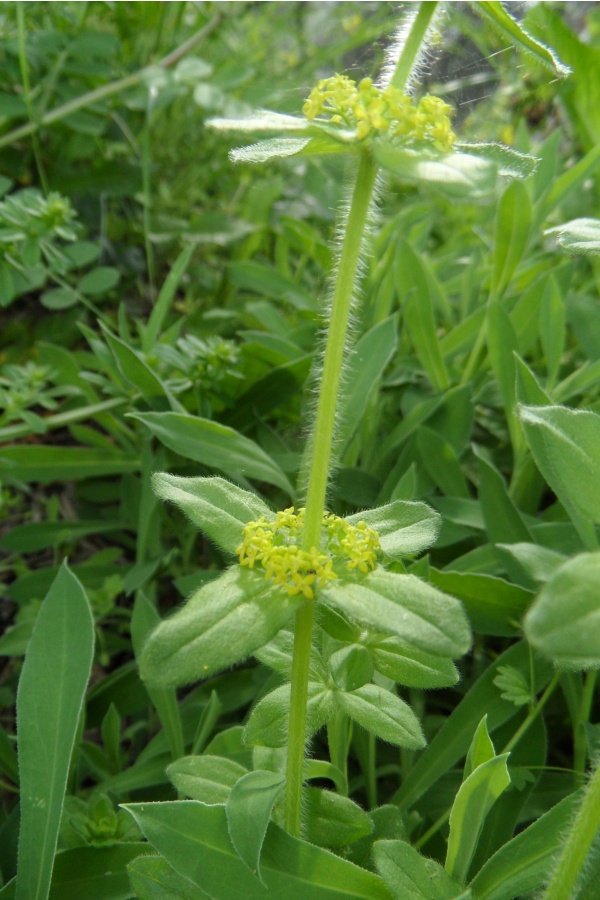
371,110
274,547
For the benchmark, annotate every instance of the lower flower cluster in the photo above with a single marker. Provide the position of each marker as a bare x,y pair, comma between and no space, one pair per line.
274,546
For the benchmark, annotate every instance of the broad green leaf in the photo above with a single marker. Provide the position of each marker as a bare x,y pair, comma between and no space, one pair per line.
481,749
404,527
94,873
494,606
222,624
404,605
578,235
268,722
408,666
138,373
215,446
415,290
461,175
163,303
510,162
366,365
565,444
411,876
351,667
384,715
332,820
248,810
34,536
193,839
513,222
143,619
47,464
152,878
564,622
454,738
52,686
476,796
522,865
218,507
496,13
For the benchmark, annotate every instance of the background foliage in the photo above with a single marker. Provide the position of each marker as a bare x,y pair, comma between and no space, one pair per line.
143,278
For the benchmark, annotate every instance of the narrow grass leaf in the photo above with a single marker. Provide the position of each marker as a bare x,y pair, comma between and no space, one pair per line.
153,327
136,372
513,222
522,865
194,840
52,686
475,798
495,13
47,464
248,810
215,446
367,364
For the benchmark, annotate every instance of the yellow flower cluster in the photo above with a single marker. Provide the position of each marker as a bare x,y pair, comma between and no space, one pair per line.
370,109
273,546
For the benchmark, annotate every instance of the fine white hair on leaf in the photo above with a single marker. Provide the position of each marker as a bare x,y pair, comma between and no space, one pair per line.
394,51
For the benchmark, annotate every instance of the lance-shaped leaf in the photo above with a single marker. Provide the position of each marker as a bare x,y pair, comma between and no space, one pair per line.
496,13
263,120
564,622
511,163
578,236
411,876
457,174
218,507
222,624
206,778
384,715
409,666
404,605
404,527
282,147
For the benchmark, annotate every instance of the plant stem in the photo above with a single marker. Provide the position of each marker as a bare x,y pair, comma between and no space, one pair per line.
319,473
576,847
322,440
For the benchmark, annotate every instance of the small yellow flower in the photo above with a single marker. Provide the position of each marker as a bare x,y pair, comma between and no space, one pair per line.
369,110
273,546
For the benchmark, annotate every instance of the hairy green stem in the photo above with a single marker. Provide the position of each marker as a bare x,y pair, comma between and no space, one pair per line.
322,439
576,847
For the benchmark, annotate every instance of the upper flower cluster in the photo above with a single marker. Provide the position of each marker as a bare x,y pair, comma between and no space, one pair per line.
274,546
370,109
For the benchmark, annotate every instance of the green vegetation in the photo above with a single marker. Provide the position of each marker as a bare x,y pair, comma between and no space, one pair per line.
354,653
